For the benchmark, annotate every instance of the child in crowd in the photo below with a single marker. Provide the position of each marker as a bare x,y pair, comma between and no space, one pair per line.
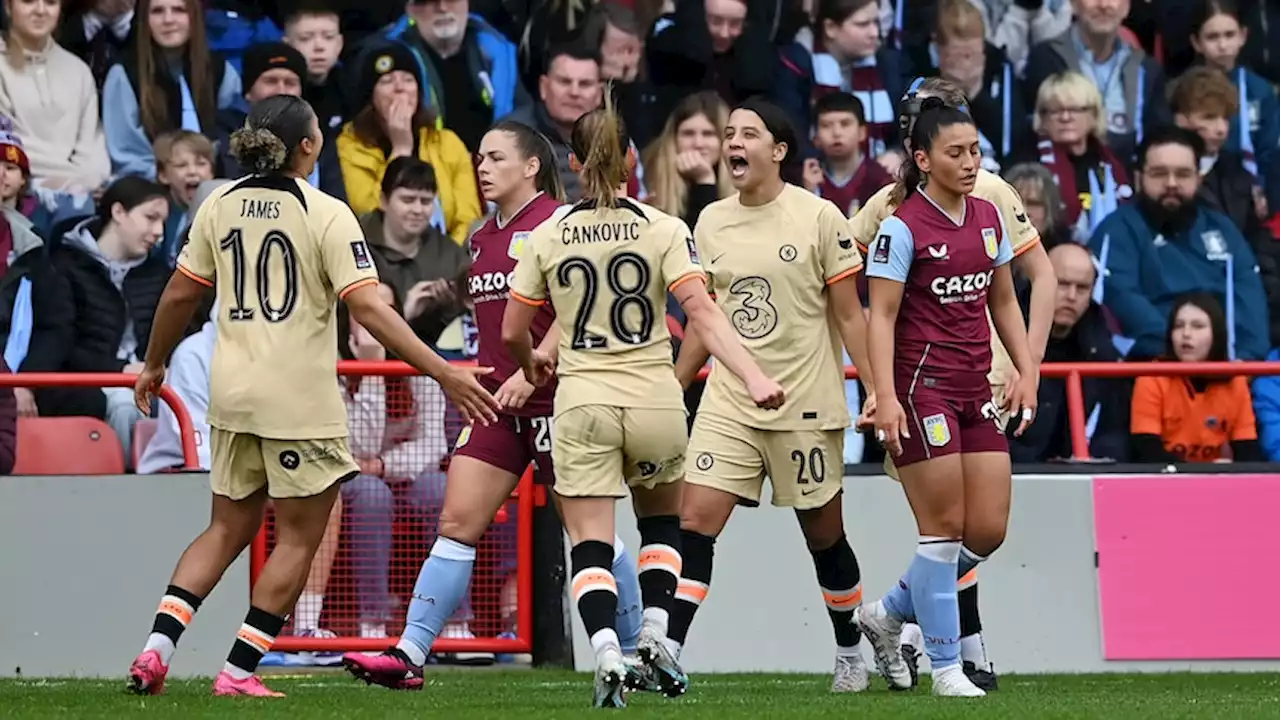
314,29
840,175
1218,36
184,159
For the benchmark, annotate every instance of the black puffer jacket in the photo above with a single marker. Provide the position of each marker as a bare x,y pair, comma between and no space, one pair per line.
80,318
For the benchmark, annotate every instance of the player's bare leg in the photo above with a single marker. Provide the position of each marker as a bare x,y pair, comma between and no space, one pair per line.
935,490
841,583
474,492
704,512
658,519
306,616
300,526
232,526
988,484
589,522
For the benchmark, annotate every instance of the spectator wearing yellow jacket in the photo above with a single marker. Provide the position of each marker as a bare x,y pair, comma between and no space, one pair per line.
394,123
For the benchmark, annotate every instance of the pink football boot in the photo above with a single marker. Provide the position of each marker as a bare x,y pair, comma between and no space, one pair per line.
146,675
226,686
390,669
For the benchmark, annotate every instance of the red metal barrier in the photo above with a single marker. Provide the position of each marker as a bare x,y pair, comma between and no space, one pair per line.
190,456
346,600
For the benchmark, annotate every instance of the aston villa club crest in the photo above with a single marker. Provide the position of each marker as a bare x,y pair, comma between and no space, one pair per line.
517,245
989,242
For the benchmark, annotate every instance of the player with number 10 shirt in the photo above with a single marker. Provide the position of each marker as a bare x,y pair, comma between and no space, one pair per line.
281,254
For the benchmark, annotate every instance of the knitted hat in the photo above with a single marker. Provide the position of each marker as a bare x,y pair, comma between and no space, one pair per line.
11,151
263,57
384,59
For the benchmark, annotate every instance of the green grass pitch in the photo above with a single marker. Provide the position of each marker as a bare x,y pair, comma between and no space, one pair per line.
530,694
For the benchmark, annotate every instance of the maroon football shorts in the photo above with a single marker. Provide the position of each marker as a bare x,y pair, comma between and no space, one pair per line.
941,426
511,444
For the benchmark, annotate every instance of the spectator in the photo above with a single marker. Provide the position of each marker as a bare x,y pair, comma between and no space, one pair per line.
50,95
1168,244
313,29
1194,419
1079,334
1266,404
1130,83
843,174
727,46
394,123
1218,38
17,232
685,169
234,26
1042,200
1071,123
92,310
1016,25
418,262
184,159
614,35
1174,21
850,58
1205,101
167,79
961,54
472,79
569,88
398,439
97,33
276,69
8,425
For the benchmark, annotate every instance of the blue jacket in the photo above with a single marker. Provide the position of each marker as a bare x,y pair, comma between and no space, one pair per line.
1255,130
230,33
493,61
1144,273
1266,407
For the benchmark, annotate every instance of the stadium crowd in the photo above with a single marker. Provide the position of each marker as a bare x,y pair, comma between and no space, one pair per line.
1142,135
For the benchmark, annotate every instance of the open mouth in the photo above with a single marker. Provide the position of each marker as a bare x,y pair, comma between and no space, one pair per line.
738,166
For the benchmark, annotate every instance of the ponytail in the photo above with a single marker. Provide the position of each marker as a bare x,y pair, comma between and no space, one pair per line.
600,143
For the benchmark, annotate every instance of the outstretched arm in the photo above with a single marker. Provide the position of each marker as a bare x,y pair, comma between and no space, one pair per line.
711,324
459,383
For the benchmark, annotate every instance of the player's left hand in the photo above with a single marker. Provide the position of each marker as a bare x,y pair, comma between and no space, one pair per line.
515,392
1020,398
542,367
868,417
146,387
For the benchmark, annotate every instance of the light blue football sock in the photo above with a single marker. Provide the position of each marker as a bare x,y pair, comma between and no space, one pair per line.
932,579
441,586
630,616
898,600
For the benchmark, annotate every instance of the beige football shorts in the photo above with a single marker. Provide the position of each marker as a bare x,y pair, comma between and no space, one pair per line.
244,463
601,450
805,467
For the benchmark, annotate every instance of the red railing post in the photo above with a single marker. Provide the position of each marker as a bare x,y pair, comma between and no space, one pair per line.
1075,416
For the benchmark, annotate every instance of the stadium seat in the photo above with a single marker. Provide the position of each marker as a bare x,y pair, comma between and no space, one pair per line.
143,431
67,446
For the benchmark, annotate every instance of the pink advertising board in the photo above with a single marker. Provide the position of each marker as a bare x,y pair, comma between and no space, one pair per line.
1188,566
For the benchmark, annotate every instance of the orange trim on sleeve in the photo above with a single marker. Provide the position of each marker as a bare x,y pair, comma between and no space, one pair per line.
686,277
851,271
1027,245
527,301
195,277
356,285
